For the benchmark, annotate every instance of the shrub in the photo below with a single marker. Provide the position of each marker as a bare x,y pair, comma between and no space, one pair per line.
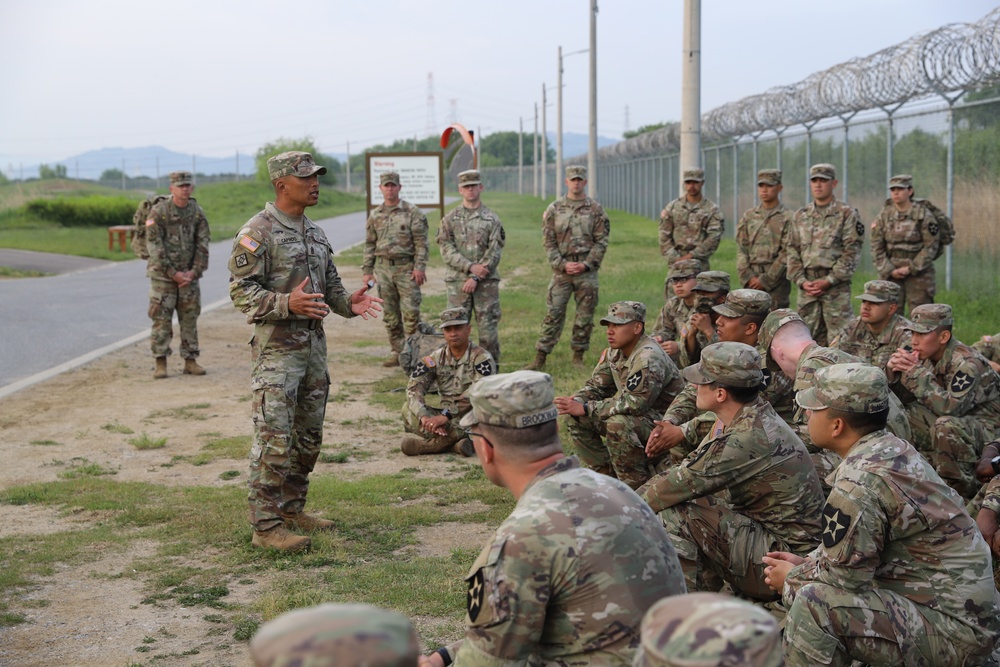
93,211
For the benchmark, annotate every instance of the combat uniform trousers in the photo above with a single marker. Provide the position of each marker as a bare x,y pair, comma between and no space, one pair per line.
583,288
401,299
829,313
164,298
290,384
952,445
435,444
832,626
917,290
781,295
715,543
621,453
485,302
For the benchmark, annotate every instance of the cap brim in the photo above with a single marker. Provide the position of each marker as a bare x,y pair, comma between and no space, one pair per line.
726,311
470,419
919,328
872,298
605,321
808,399
825,178
694,375
453,323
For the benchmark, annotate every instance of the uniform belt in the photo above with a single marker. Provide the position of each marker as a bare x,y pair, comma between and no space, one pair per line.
395,262
579,257
813,274
297,325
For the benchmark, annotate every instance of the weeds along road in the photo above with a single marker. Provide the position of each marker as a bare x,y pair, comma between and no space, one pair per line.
49,325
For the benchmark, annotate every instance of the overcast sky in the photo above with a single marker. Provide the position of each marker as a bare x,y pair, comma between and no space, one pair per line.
213,77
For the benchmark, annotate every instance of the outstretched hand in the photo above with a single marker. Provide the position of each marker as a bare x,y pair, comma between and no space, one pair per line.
365,304
310,304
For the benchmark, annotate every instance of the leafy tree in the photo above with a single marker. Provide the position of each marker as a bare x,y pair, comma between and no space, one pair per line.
113,175
304,144
3,179
500,149
47,172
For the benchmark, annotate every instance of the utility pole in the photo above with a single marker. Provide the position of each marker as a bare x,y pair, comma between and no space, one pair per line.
691,87
520,156
592,152
559,129
123,173
545,147
534,158
237,164
348,167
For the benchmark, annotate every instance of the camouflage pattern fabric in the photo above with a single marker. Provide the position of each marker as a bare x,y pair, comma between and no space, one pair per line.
177,240
908,239
672,322
621,399
858,340
956,412
474,236
336,635
762,237
746,490
989,347
568,575
395,246
453,377
572,231
825,244
902,576
687,228
708,630
272,254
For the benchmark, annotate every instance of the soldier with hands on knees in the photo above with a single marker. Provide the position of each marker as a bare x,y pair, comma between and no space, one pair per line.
453,367
567,577
396,261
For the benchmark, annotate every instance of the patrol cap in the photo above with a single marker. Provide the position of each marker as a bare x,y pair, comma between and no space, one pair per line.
623,312
712,281
769,327
469,177
901,181
576,171
685,268
930,316
708,630
880,291
335,635
515,400
823,170
728,363
847,387
769,177
388,177
454,316
293,163
181,178
694,174
744,302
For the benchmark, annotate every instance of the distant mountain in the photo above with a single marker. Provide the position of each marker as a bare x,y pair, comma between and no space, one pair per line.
151,161
576,144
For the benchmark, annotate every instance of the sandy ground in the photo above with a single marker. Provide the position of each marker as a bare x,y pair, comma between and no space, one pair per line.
90,617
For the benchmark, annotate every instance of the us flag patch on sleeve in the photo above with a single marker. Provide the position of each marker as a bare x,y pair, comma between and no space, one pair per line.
248,243
150,222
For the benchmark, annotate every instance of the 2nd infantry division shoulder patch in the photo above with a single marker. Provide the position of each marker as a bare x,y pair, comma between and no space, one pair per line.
835,525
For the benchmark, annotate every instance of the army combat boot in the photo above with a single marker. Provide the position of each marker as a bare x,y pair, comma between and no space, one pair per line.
465,448
281,539
539,362
161,368
578,358
392,361
191,367
307,522
414,445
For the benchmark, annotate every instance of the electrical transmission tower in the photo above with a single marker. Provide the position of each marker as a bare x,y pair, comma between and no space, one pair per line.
431,128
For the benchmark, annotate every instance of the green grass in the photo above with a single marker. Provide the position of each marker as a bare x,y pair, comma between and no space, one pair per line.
144,441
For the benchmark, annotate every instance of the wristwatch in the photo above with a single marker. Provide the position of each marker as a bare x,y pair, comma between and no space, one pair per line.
995,462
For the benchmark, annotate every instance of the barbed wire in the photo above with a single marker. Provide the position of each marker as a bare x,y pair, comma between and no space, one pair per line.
955,57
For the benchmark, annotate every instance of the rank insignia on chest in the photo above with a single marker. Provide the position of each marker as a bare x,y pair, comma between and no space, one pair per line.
835,525
484,368
634,381
475,594
241,260
961,382
249,244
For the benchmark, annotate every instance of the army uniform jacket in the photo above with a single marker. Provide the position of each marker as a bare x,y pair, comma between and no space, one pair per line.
762,236
470,236
756,467
892,524
568,575
453,376
396,233
875,349
905,239
271,257
961,384
989,347
575,231
673,318
640,385
824,244
690,228
177,240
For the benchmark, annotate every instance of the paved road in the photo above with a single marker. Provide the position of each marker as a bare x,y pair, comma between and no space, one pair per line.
49,325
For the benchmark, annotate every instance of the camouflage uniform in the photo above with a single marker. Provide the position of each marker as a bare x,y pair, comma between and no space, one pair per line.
572,231
708,630
989,347
453,378
825,244
762,236
749,488
909,239
470,236
621,400
687,228
272,254
336,635
902,576
177,240
674,315
709,282
957,406
395,247
568,575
